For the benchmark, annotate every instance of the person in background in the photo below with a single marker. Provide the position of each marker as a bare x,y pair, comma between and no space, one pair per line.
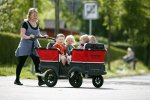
129,57
60,39
83,40
28,44
70,42
92,39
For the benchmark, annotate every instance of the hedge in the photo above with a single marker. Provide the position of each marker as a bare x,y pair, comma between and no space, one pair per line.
8,45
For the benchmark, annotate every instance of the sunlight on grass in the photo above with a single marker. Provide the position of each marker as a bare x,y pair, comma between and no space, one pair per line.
7,70
11,70
121,69
118,69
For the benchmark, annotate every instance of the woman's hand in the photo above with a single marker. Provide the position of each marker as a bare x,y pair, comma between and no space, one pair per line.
46,36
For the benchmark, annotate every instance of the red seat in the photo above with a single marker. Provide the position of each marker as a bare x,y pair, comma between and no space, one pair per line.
48,55
88,56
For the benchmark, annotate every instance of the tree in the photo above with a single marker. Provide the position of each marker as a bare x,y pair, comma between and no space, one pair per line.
12,12
136,23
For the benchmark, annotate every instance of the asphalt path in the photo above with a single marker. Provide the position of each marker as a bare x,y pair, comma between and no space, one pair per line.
128,88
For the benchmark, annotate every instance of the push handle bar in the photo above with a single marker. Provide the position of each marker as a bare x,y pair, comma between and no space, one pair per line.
46,38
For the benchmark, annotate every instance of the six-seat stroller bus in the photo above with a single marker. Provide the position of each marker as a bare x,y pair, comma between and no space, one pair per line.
85,63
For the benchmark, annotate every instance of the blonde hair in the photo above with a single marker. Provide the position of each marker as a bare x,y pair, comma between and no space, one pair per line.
91,37
70,37
60,35
30,11
85,38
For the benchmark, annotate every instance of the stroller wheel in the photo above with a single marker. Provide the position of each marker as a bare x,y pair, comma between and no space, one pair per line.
75,80
97,81
50,78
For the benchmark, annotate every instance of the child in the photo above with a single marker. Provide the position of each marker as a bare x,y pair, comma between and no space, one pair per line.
60,38
92,39
83,40
70,42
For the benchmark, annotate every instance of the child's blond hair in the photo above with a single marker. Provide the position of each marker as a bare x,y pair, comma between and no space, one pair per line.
60,35
91,37
85,38
70,37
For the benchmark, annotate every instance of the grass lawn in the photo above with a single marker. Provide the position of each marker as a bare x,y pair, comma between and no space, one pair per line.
11,70
121,69
118,69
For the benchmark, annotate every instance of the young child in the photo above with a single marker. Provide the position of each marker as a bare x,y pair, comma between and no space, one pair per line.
92,39
60,38
83,40
70,42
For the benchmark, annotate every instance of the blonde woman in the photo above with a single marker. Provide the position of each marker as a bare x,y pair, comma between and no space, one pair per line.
28,43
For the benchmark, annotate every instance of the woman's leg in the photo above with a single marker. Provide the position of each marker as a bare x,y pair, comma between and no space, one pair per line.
36,62
21,62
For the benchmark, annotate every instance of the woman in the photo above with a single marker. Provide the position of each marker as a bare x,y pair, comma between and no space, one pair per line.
28,44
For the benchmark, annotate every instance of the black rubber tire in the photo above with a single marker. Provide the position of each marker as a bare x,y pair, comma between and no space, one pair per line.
97,81
51,78
76,80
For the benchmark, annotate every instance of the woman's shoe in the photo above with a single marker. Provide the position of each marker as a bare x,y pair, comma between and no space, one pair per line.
18,83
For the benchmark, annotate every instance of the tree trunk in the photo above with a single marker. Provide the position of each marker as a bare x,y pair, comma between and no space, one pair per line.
56,17
109,43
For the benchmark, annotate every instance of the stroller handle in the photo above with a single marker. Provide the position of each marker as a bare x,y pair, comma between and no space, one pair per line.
46,38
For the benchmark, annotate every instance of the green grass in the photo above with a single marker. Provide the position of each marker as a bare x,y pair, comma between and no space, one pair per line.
11,70
7,70
118,69
121,69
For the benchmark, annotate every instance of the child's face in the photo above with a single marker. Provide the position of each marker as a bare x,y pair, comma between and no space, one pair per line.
81,41
60,40
91,40
69,41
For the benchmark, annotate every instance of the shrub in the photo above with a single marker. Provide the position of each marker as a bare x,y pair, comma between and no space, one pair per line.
8,45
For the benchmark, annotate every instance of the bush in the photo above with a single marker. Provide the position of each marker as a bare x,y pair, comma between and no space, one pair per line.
8,45
116,53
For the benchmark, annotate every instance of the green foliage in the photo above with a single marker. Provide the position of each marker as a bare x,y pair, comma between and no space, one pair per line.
116,53
9,70
137,14
121,69
129,20
8,44
102,40
136,23
12,13
76,38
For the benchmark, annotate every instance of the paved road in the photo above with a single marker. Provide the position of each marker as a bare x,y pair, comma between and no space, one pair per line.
129,88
